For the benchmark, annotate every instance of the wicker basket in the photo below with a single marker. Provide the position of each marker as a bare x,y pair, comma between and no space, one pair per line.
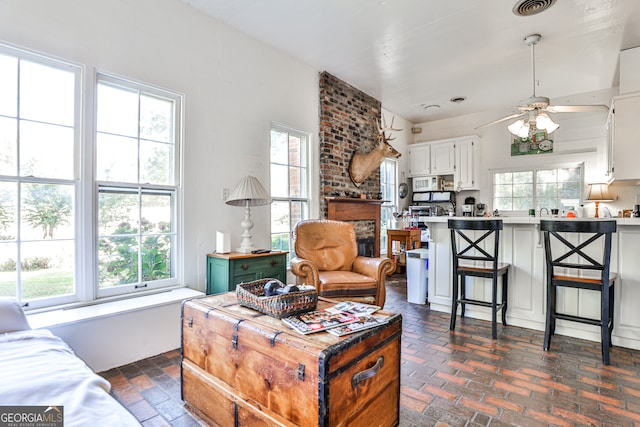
252,295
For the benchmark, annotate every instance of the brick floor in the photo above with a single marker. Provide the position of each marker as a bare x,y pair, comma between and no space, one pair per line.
460,378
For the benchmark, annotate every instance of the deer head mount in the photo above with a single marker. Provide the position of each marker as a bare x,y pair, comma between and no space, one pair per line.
362,164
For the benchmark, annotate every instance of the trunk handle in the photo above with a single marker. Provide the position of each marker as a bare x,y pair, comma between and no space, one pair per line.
361,376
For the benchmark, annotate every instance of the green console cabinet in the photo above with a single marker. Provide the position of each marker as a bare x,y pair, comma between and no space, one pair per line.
225,271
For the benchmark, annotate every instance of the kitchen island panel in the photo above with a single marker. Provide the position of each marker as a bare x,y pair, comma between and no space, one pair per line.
522,247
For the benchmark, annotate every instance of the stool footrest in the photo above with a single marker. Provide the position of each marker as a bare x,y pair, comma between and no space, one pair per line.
478,302
587,320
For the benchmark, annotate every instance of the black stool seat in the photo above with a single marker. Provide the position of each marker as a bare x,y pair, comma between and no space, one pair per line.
568,265
470,258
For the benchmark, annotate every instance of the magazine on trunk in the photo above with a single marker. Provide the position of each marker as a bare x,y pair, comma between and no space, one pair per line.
355,308
338,315
318,320
364,322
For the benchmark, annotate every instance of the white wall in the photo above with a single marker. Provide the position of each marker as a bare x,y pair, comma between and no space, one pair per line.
401,142
581,138
234,88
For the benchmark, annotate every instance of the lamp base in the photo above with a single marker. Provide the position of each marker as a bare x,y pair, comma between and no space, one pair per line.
246,249
597,203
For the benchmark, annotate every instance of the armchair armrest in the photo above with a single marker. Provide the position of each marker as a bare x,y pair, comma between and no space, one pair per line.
377,268
305,271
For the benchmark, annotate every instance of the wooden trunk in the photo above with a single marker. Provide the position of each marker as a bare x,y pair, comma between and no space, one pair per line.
243,368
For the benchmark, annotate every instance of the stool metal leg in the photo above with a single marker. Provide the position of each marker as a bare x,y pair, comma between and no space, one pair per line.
605,316
494,306
550,321
463,294
505,282
454,302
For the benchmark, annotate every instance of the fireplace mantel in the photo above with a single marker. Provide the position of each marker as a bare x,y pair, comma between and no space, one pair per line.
353,209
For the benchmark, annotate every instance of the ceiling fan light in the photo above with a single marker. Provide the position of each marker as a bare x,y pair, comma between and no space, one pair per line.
543,121
519,128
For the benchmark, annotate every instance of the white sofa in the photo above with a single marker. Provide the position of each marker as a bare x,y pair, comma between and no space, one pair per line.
39,369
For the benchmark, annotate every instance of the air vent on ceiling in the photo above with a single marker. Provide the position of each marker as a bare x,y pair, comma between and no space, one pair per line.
531,7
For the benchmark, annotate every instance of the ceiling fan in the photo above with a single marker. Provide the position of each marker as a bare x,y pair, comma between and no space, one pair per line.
533,110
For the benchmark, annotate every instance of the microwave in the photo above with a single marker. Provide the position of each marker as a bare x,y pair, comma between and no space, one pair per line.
426,183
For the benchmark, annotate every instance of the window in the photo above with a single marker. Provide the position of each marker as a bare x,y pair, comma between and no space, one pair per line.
289,184
58,243
39,140
558,188
136,134
389,189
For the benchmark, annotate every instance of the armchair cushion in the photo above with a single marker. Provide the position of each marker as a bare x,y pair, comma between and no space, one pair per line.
331,245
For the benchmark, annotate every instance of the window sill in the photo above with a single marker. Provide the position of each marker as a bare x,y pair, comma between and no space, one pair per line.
61,317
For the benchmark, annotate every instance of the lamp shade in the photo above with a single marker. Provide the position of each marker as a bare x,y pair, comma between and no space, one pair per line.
599,192
249,191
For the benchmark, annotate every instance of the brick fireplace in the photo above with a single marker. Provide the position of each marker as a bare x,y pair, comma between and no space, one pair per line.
347,123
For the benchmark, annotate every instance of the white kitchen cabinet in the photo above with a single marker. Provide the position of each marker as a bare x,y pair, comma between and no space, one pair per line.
626,139
466,161
419,160
443,158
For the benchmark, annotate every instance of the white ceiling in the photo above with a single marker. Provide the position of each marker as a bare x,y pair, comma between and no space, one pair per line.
412,53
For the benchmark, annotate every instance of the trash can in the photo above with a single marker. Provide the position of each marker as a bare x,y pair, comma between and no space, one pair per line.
417,277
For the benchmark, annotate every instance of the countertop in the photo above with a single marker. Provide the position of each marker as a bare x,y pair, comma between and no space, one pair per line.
527,219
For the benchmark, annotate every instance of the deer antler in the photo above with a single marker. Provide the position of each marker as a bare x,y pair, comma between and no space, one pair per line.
382,128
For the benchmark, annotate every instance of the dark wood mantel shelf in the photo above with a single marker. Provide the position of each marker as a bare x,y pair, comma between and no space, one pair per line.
353,209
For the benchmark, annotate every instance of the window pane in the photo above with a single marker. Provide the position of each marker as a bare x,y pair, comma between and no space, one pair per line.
156,213
46,151
116,212
523,177
298,182
503,178
8,211
8,146
47,269
118,260
543,176
156,118
117,158
47,211
296,151
503,204
280,217
279,147
47,94
156,257
502,191
156,163
8,270
8,86
117,110
279,181
521,204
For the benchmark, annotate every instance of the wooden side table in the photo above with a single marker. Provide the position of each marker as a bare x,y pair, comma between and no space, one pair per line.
410,239
225,271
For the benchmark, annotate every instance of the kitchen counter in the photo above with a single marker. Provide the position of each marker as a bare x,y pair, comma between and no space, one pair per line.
521,245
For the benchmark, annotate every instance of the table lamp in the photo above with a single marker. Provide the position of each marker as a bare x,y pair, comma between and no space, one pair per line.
249,192
599,193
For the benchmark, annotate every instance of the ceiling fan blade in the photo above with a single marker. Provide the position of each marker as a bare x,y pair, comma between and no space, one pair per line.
577,108
504,119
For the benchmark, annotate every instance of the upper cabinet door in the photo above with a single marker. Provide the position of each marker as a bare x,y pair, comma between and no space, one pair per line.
466,167
443,160
419,160
626,149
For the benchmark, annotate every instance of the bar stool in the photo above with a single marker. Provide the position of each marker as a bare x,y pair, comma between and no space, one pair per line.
480,263
563,271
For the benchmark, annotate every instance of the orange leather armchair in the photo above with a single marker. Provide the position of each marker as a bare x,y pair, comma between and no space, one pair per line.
327,258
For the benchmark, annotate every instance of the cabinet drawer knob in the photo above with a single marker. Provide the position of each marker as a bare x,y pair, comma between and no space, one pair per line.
244,266
361,376
273,262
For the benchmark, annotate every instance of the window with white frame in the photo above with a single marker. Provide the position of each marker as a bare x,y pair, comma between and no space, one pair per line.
289,184
39,186
551,188
137,131
389,190
49,253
